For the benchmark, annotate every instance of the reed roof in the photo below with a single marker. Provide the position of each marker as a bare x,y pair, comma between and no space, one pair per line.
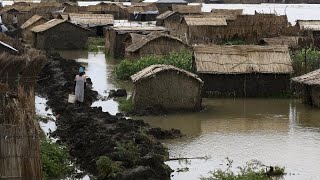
148,38
165,15
311,78
150,71
48,25
313,25
147,8
139,28
242,59
205,21
229,14
91,20
186,9
291,41
136,37
31,21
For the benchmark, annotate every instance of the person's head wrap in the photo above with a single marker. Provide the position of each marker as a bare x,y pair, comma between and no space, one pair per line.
81,70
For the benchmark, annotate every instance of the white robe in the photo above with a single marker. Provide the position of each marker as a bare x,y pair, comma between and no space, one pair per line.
79,89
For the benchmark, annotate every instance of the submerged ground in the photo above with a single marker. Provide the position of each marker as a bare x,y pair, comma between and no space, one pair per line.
280,132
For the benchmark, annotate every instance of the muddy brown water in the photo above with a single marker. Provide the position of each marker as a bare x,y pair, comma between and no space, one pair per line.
280,132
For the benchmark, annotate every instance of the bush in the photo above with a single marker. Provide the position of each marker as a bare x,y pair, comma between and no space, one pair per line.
107,168
298,61
55,160
95,44
126,68
126,105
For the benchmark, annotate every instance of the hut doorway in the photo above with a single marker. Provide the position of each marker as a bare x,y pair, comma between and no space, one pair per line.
99,30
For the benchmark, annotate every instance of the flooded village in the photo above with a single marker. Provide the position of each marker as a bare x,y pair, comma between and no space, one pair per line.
170,89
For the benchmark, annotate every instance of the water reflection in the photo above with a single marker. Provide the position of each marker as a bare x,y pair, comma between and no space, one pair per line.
274,131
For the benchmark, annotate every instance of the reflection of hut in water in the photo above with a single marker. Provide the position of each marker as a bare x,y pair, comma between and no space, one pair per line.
245,71
311,87
59,34
155,43
29,24
115,37
95,22
143,12
158,87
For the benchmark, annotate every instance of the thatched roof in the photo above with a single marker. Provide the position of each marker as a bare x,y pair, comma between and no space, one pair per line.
205,21
31,21
91,20
12,8
152,70
311,78
242,59
172,1
313,25
291,41
64,16
50,24
145,8
136,37
187,9
139,28
165,15
148,38
229,14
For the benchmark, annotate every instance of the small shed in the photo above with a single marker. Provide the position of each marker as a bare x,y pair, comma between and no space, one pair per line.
310,87
115,37
116,9
166,5
155,43
143,12
94,22
59,34
158,87
29,24
243,70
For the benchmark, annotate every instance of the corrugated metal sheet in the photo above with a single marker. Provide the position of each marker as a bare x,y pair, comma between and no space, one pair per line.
242,59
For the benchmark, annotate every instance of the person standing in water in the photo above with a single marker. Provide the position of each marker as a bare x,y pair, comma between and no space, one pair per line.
79,85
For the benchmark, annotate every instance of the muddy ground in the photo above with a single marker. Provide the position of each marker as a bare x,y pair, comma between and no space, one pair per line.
91,133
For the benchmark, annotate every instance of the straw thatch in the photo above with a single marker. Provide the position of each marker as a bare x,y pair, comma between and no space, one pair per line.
48,25
91,20
149,38
242,59
291,41
146,8
313,25
229,14
31,21
123,29
187,9
311,78
171,1
165,15
150,71
205,21
63,16
136,37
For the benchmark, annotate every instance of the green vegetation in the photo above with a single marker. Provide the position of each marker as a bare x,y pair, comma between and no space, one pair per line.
107,168
126,68
125,105
251,171
95,44
312,59
55,160
128,152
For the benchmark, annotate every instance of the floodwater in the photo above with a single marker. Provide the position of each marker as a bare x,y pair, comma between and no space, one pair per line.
279,132
42,110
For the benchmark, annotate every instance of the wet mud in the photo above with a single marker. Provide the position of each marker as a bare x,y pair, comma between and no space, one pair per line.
91,133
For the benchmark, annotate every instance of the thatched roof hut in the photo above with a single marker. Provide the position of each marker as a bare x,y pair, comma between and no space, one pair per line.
59,34
311,25
143,12
198,20
155,43
187,9
166,5
91,20
229,14
116,9
290,41
29,24
311,87
31,21
158,86
244,70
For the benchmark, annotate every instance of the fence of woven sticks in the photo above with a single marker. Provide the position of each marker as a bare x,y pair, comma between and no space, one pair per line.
19,133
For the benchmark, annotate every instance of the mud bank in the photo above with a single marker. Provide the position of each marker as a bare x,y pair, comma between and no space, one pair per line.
91,133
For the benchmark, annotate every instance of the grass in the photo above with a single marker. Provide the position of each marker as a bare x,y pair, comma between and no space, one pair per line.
125,105
126,68
107,168
95,44
298,61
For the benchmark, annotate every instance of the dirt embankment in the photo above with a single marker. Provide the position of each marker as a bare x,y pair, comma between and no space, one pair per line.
91,133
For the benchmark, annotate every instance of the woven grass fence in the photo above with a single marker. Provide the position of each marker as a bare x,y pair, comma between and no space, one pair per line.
19,132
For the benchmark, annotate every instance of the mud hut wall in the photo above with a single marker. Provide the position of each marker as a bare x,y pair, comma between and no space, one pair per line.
160,46
27,34
315,96
109,44
246,85
62,36
7,18
164,90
